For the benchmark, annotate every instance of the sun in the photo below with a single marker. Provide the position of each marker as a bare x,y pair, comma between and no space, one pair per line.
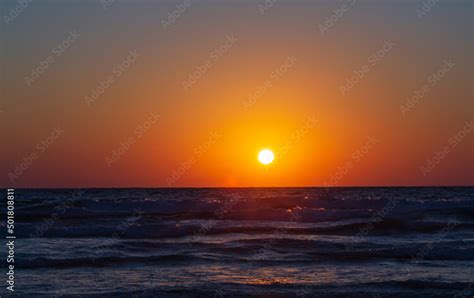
266,156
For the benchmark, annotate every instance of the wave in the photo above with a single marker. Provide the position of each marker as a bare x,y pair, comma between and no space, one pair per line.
269,251
383,289
101,261
158,229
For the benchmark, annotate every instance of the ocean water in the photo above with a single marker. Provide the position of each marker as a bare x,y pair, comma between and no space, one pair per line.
255,242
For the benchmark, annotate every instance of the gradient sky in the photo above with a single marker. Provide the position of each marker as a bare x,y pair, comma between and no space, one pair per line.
208,134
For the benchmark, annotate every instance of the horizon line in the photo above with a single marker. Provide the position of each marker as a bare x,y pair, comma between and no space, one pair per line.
242,187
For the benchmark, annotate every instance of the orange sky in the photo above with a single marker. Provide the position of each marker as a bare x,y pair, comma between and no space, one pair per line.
191,103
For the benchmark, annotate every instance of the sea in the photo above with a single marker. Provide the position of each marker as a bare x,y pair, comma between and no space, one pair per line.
244,242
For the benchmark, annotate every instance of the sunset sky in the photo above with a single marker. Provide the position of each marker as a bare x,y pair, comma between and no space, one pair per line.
370,93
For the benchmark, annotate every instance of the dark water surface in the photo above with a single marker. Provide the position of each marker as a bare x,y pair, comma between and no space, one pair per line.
263,242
